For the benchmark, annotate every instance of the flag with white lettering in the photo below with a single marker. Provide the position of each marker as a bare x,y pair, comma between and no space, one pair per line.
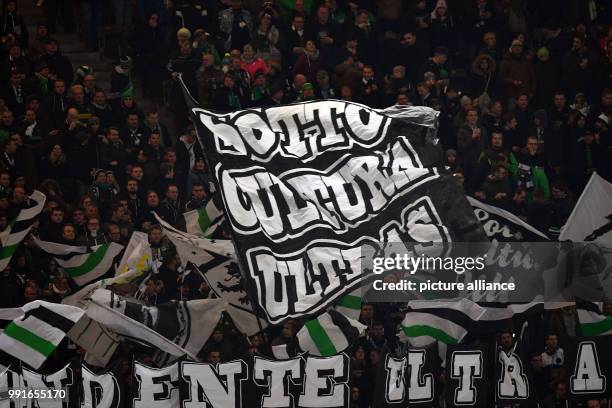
10,382
58,389
512,256
306,186
223,385
102,389
503,226
513,378
467,382
589,364
407,380
157,387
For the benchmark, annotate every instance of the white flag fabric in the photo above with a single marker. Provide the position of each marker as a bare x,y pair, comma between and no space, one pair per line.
285,351
329,334
591,219
196,250
56,249
137,256
99,342
99,309
444,321
79,299
223,277
186,325
34,336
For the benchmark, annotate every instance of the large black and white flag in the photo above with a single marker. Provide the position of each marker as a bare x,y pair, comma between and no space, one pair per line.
306,186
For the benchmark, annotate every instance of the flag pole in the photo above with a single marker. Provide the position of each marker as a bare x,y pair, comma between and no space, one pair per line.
207,149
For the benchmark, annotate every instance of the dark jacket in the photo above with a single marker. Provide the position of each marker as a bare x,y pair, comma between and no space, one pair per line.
59,65
517,68
469,149
172,212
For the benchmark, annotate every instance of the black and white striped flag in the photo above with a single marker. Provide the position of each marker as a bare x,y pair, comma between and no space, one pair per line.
34,336
19,228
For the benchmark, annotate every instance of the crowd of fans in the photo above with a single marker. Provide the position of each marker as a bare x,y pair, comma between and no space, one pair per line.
524,91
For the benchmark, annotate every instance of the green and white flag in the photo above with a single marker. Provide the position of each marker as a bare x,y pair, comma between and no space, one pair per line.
444,321
19,228
350,305
329,334
592,320
35,335
59,250
203,221
84,268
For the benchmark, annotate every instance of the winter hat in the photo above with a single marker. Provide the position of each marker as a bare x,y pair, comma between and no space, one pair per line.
128,93
307,87
603,117
451,152
543,53
183,32
516,43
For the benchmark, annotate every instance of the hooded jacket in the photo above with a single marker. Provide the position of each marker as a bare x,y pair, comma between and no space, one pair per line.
481,81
